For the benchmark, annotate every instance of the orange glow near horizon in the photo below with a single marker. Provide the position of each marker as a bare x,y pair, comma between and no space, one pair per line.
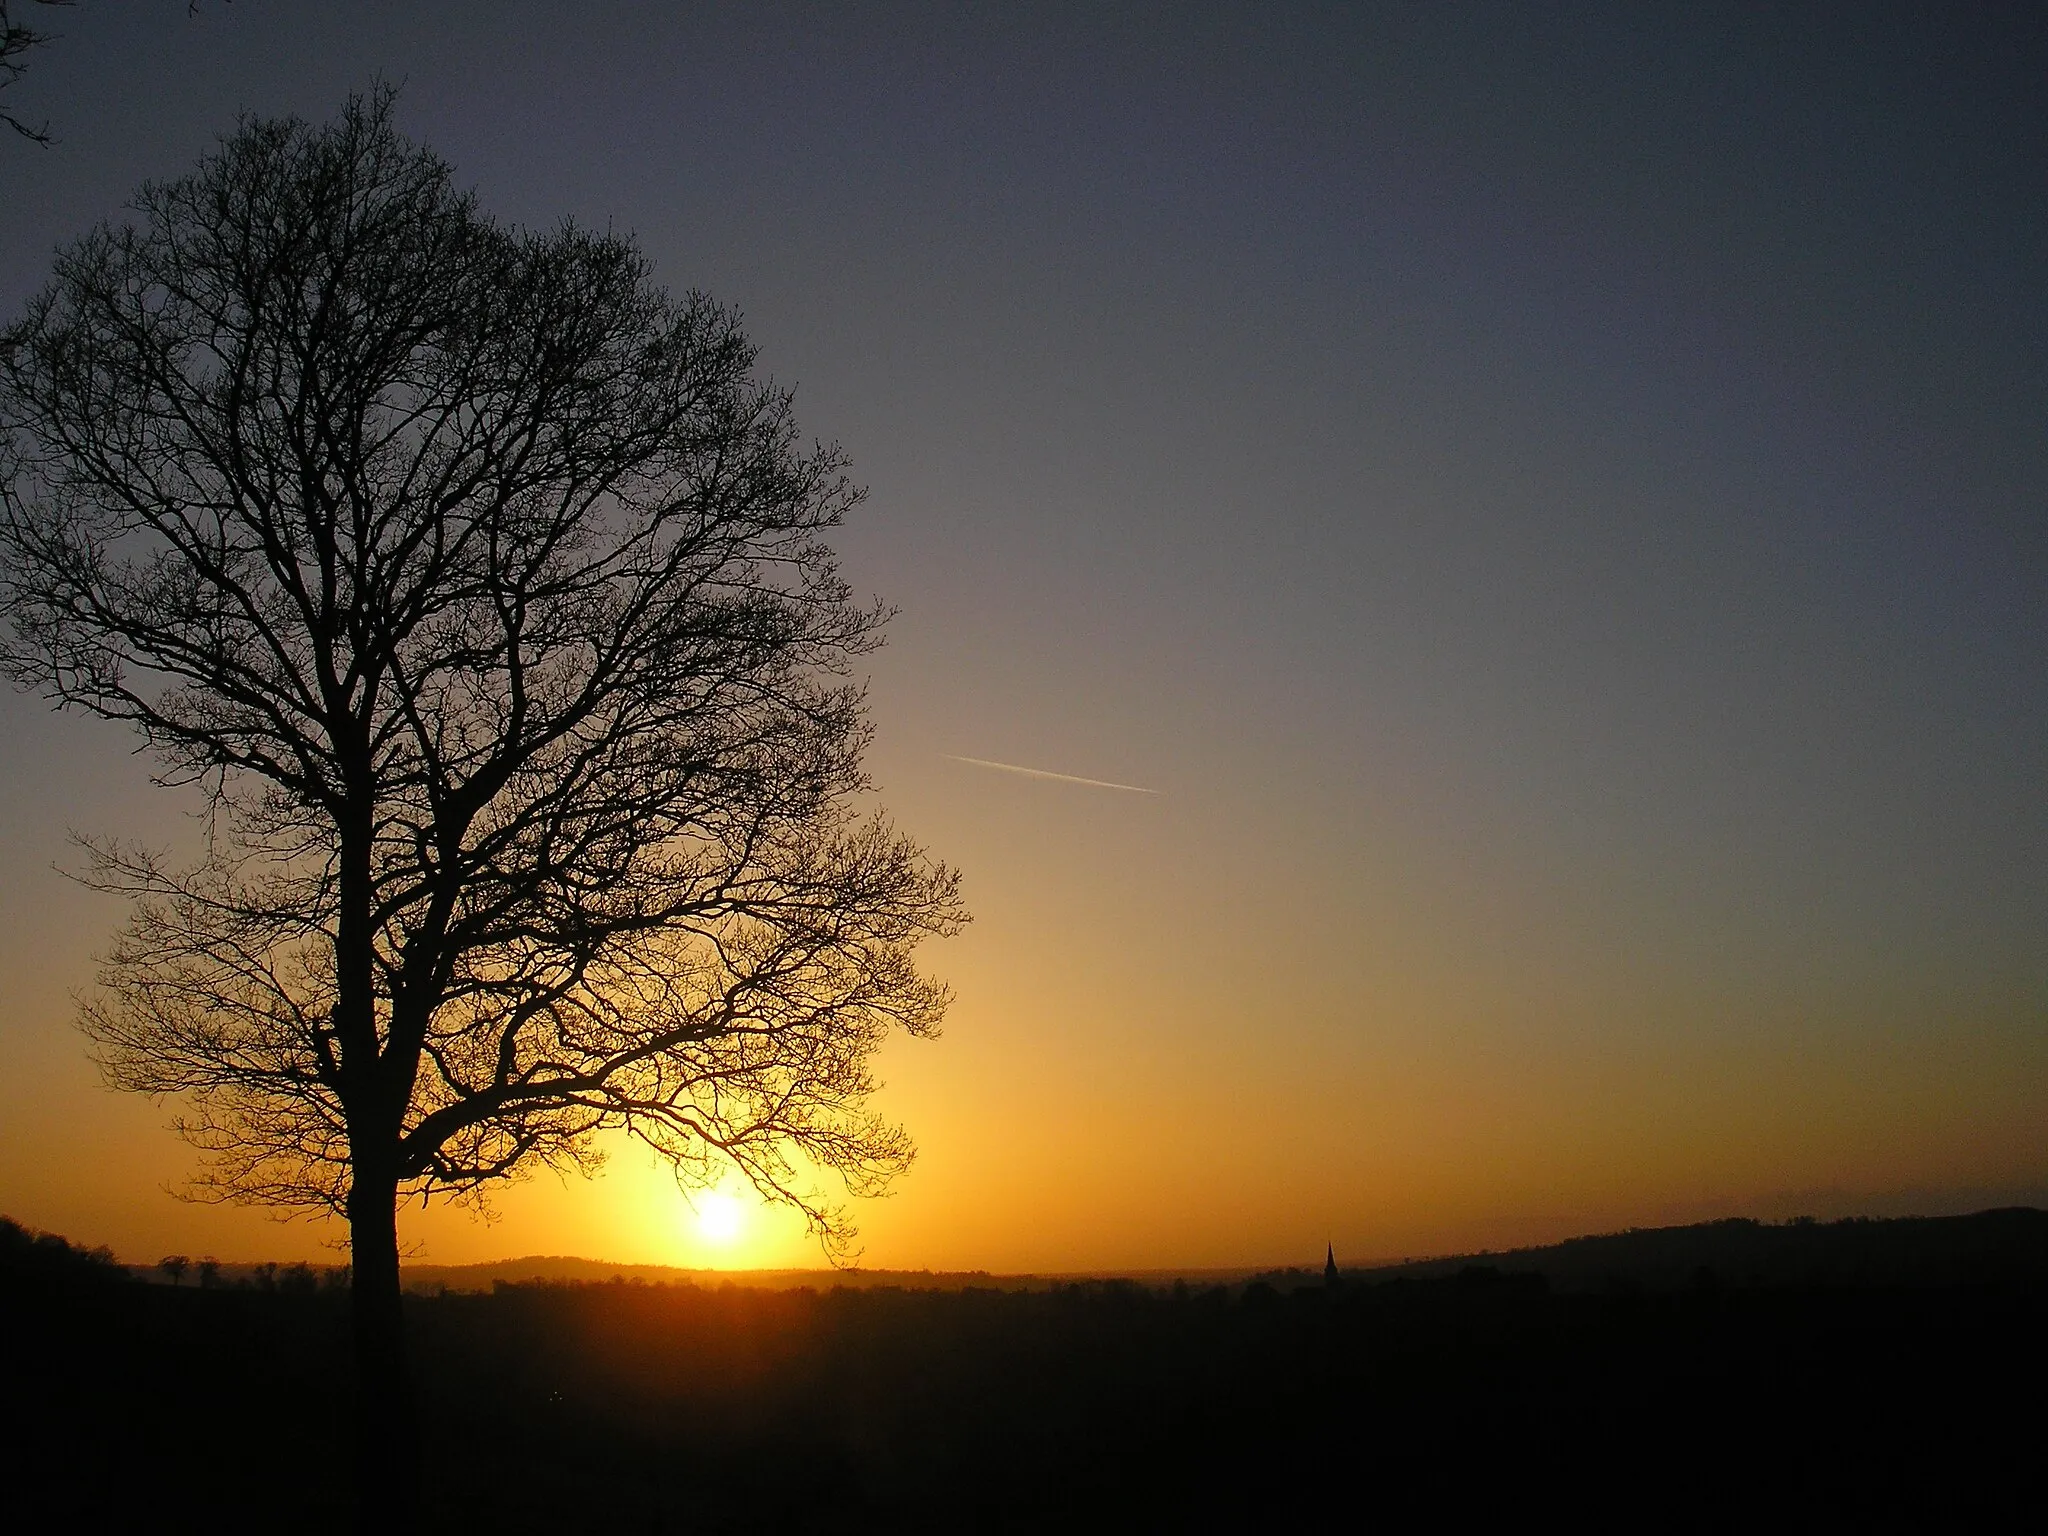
1195,1084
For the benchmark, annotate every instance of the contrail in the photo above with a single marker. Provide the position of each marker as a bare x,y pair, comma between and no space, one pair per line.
1046,773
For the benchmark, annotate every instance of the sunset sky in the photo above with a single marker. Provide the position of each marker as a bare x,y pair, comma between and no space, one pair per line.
1551,501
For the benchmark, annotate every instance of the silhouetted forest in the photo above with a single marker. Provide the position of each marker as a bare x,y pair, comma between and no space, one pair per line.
1883,1373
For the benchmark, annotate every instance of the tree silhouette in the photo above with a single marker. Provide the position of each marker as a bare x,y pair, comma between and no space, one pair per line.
17,40
479,585
174,1267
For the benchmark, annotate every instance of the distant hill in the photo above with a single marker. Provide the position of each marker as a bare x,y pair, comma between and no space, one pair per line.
2008,1246
564,1270
561,1269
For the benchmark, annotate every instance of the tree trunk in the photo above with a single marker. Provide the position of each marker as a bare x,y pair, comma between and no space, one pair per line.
386,1433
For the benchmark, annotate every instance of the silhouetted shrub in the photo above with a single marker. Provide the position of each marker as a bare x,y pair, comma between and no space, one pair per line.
32,1258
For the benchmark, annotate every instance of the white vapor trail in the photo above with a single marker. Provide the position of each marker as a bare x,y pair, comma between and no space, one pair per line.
1046,773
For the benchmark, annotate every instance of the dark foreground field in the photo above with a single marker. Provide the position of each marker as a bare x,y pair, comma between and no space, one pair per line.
1713,1403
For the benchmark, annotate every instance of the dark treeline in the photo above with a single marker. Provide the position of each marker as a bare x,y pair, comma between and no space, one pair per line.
648,1408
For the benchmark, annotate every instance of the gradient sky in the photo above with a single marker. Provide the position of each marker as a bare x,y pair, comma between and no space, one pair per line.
1553,499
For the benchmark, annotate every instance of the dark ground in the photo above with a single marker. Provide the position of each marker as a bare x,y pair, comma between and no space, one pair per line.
1830,1392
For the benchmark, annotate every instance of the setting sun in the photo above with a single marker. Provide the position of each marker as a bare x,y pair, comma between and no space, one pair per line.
721,1218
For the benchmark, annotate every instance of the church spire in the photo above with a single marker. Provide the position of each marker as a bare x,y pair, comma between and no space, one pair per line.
1330,1266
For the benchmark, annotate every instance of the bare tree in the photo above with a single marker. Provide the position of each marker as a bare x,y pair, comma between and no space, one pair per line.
479,584
17,39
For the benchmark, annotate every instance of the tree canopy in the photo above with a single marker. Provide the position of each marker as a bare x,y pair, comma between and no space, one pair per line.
480,584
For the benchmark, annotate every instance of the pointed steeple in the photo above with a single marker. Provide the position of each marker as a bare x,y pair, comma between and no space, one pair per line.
1330,1266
